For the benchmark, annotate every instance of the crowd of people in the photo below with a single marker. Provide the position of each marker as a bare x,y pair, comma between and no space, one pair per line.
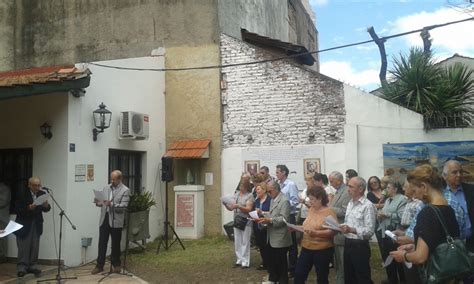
401,216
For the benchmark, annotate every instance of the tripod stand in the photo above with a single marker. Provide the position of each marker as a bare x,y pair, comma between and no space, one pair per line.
164,238
58,277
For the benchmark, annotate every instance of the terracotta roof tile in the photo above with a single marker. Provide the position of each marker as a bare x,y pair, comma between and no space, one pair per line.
41,75
188,149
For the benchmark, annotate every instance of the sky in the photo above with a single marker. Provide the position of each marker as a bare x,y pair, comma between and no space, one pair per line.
341,22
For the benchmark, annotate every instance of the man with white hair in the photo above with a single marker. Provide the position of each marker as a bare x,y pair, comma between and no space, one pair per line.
339,205
463,194
455,194
358,228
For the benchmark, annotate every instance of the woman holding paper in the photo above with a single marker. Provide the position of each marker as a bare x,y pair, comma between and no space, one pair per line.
389,219
317,246
262,204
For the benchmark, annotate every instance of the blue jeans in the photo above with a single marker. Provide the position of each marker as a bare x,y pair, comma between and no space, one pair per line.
319,258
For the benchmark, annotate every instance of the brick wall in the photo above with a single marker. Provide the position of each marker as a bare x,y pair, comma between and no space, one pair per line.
276,103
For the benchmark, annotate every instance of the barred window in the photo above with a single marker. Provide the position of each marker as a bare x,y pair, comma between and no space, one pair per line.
130,164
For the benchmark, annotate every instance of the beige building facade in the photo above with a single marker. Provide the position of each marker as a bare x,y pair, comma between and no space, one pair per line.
47,33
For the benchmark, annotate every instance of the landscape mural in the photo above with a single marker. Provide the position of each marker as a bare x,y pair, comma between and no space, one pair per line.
398,159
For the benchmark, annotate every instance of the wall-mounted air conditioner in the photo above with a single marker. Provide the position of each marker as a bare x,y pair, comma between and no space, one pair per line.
133,125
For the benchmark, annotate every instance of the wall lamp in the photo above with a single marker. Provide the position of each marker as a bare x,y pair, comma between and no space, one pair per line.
102,117
45,129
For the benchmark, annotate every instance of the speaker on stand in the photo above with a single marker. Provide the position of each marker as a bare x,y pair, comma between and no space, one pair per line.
167,176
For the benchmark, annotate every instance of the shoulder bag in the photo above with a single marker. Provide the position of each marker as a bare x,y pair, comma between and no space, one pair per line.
448,261
240,221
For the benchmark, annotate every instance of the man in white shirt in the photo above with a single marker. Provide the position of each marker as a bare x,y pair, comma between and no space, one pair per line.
358,228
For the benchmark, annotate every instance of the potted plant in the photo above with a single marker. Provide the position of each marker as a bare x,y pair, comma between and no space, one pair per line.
138,216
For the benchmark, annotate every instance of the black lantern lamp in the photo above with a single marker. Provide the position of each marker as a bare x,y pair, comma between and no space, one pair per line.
102,117
45,129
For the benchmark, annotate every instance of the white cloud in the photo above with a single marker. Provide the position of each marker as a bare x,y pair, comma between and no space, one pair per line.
450,39
318,2
343,71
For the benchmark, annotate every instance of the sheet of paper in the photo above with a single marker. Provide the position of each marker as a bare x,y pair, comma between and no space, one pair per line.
254,214
229,199
391,235
11,227
388,260
98,195
294,227
41,199
332,228
331,223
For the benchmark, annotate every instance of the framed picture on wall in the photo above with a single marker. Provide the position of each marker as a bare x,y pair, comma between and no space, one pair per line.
252,167
311,166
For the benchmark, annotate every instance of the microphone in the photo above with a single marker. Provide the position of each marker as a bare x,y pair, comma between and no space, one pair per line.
46,189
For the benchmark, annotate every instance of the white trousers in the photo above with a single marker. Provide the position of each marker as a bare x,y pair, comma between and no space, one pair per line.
242,245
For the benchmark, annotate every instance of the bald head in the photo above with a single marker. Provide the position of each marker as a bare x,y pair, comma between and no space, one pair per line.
34,184
116,177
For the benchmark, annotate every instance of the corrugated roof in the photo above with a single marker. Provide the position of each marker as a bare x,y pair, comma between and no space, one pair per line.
287,47
189,149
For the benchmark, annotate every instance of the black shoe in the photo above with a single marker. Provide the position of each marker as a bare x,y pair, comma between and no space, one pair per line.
21,273
35,271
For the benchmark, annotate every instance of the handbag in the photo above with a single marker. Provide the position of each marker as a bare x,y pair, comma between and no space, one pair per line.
240,222
448,261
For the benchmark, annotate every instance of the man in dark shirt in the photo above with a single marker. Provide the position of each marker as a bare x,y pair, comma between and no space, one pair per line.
31,217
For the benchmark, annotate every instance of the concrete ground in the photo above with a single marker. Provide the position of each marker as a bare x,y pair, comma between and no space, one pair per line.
83,274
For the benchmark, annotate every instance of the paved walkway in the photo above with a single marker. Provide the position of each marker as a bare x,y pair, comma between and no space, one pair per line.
83,274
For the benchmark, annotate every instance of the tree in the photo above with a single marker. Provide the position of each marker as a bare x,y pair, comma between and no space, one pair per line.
443,95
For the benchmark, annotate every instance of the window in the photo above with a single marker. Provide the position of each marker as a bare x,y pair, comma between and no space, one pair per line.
16,167
130,164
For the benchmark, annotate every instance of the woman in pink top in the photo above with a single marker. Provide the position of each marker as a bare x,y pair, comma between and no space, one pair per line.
317,246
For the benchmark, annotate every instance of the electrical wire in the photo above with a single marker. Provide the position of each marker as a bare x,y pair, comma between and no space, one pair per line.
279,58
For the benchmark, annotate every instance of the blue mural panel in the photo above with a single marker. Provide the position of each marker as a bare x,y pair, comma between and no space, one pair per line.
400,158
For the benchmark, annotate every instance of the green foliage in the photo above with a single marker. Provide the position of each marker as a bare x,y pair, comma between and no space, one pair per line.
141,201
441,94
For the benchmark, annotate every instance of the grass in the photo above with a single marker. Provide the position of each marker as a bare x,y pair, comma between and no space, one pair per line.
210,260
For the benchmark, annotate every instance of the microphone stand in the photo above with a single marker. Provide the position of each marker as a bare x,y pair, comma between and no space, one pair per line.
111,233
61,214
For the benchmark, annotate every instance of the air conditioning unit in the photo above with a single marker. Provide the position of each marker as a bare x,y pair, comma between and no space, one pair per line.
133,125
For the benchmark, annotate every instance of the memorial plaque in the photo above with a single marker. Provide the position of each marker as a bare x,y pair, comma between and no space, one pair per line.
185,210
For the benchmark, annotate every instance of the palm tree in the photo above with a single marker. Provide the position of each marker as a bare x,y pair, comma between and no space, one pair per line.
443,95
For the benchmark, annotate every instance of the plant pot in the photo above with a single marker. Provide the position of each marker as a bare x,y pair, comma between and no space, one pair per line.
138,227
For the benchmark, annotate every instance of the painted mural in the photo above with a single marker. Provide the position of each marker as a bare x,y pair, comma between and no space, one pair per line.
398,159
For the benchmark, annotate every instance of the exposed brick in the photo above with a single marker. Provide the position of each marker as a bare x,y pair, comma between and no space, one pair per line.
277,103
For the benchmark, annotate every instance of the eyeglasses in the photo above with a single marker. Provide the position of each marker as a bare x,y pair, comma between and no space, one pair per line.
35,184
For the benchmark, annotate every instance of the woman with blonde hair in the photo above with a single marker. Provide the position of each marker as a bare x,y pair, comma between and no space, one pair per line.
428,231
243,205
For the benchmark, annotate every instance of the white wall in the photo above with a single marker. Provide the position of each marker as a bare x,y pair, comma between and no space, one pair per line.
373,121
233,159
71,120
120,91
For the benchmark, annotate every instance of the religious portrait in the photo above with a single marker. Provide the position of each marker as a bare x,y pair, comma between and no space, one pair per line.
311,166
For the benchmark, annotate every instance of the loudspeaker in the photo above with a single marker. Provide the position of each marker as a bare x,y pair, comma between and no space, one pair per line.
167,169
